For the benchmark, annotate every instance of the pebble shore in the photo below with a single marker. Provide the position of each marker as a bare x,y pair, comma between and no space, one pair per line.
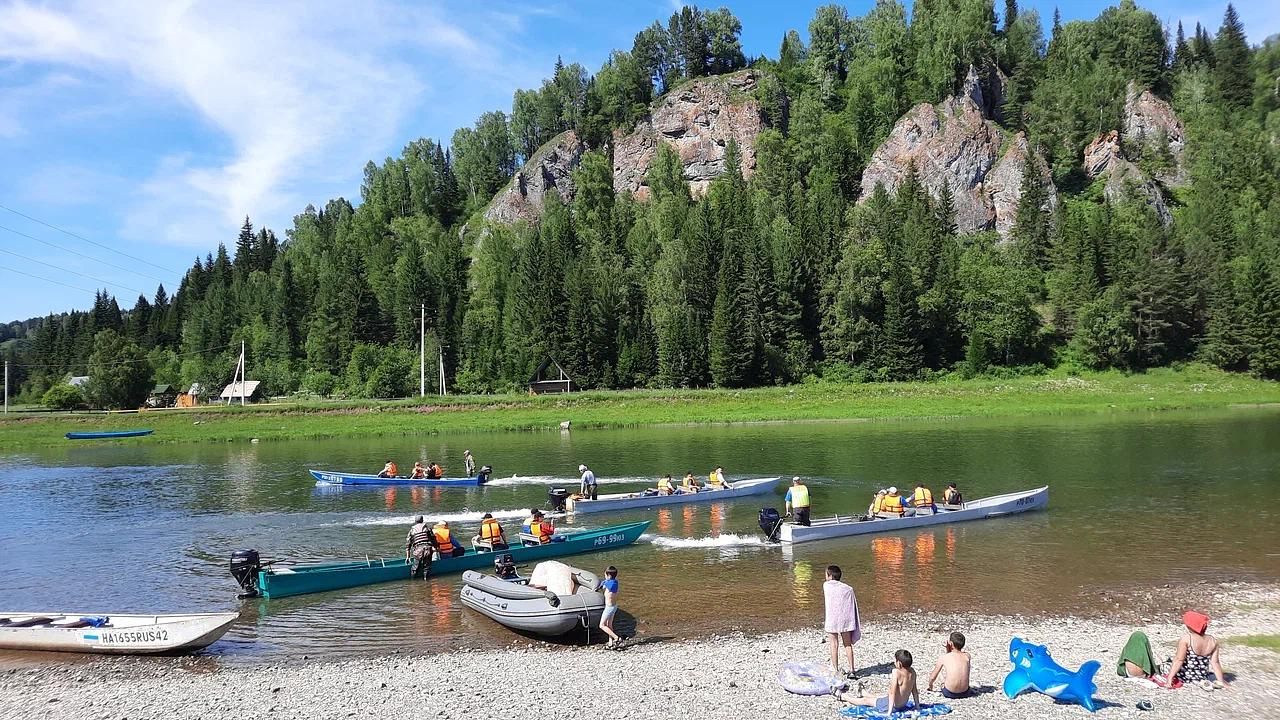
733,676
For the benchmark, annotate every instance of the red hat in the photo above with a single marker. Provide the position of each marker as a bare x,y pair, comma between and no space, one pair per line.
1196,622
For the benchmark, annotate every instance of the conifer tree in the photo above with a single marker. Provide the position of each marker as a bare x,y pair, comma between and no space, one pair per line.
1232,62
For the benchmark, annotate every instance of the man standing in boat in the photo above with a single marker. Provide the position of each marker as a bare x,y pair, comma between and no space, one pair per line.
420,544
469,462
798,501
588,482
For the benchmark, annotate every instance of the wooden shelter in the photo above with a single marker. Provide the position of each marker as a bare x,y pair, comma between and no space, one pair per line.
550,378
162,396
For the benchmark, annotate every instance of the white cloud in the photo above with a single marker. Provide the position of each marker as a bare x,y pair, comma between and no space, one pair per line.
298,92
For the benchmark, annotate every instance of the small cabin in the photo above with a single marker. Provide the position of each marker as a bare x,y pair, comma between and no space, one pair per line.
162,396
190,398
550,378
249,389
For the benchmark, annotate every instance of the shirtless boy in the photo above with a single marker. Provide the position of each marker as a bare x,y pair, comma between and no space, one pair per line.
954,668
902,687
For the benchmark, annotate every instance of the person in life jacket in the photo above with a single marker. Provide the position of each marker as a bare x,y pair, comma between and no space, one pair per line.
419,472
389,470
469,463
434,472
689,484
444,541
491,532
952,496
922,499
665,487
716,481
797,501
892,504
419,544
877,503
539,527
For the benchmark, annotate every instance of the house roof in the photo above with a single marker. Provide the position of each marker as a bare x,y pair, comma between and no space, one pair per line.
78,380
161,389
234,391
562,376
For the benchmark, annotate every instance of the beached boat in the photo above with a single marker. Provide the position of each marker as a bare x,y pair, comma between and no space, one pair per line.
635,501
108,434
111,634
328,477
277,581
542,612
841,526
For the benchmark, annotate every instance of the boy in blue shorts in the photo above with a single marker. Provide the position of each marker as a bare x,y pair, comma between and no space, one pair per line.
610,607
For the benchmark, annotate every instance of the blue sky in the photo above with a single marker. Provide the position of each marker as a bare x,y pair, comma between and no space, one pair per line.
153,128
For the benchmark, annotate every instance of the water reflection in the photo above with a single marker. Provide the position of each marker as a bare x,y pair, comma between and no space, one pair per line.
887,554
663,523
802,582
924,585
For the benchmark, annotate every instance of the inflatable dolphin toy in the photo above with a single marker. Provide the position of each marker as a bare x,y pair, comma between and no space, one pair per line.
1034,669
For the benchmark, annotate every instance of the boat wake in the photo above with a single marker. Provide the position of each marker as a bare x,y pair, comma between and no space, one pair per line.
725,540
567,482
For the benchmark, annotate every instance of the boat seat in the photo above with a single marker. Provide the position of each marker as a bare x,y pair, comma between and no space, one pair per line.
70,623
942,507
486,545
27,622
528,539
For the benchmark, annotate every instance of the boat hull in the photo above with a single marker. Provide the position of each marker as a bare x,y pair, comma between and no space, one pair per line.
325,477
278,582
520,607
107,434
631,501
995,506
123,635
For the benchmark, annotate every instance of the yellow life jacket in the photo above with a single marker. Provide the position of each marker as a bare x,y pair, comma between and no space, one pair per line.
892,504
664,483
491,531
923,497
800,496
877,504
689,483
443,540
715,480
542,530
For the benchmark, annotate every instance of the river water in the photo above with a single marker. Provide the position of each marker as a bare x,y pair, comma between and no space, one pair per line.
1135,502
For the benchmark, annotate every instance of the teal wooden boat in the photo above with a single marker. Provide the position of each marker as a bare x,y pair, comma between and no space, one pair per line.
277,581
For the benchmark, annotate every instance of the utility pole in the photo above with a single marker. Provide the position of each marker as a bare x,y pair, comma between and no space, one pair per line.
6,387
242,373
422,350
443,391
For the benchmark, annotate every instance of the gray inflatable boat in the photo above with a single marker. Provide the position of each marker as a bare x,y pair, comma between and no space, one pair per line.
520,607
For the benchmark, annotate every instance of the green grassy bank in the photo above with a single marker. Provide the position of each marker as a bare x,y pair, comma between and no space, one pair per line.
1188,388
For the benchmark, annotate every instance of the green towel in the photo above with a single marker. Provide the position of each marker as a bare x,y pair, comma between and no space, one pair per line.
1137,650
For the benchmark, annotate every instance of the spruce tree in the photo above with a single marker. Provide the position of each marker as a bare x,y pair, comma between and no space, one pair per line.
1232,62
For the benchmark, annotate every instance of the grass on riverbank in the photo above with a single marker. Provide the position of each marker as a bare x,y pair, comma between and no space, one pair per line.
1270,642
1165,389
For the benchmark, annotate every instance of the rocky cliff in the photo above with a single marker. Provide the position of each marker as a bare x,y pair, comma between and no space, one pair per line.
954,143
697,119
549,170
1152,129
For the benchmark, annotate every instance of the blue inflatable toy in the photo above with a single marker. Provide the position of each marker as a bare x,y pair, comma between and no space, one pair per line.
1034,669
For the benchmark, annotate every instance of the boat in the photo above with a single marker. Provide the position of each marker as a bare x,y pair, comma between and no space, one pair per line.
838,526
329,477
634,501
109,634
515,604
277,581
108,434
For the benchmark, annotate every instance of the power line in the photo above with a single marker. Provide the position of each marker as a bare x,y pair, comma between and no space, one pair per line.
73,272
81,237
76,252
55,282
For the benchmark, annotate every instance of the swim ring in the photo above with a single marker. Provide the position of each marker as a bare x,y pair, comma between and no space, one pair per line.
807,678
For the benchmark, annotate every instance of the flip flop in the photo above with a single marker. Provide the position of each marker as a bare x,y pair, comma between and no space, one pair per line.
1145,705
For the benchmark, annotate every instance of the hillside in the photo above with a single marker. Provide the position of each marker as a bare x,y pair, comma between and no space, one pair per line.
893,198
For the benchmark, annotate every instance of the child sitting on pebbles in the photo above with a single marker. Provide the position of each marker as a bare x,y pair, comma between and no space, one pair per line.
954,668
902,687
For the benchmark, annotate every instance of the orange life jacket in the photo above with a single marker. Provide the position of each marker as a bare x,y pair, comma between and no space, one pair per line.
433,471
418,472
391,469
491,531
542,530
443,540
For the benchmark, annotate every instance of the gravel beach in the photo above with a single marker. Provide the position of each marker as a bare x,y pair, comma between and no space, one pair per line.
656,676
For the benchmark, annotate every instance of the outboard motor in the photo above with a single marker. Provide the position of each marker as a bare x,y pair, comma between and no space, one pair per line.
245,565
770,523
504,567
484,473
559,498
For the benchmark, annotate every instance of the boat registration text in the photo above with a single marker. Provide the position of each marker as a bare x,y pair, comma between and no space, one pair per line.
610,539
133,637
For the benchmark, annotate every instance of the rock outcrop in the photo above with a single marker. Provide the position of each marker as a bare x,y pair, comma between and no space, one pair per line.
1150,127
697,119
953,143
549,170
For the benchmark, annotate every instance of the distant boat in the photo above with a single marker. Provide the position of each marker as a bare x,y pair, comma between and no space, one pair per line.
640,500
328,477
112,634
981,509
108,434
276,581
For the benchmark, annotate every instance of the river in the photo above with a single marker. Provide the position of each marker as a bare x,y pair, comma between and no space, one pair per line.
1136,501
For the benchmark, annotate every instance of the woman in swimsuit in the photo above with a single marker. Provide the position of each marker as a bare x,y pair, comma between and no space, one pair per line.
1197,655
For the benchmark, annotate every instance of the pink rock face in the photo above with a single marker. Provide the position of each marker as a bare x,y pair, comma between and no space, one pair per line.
952,143
549,170
1102,153
1148,119
697,120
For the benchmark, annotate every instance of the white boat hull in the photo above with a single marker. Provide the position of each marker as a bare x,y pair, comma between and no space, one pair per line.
121,635
833,527
635,501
